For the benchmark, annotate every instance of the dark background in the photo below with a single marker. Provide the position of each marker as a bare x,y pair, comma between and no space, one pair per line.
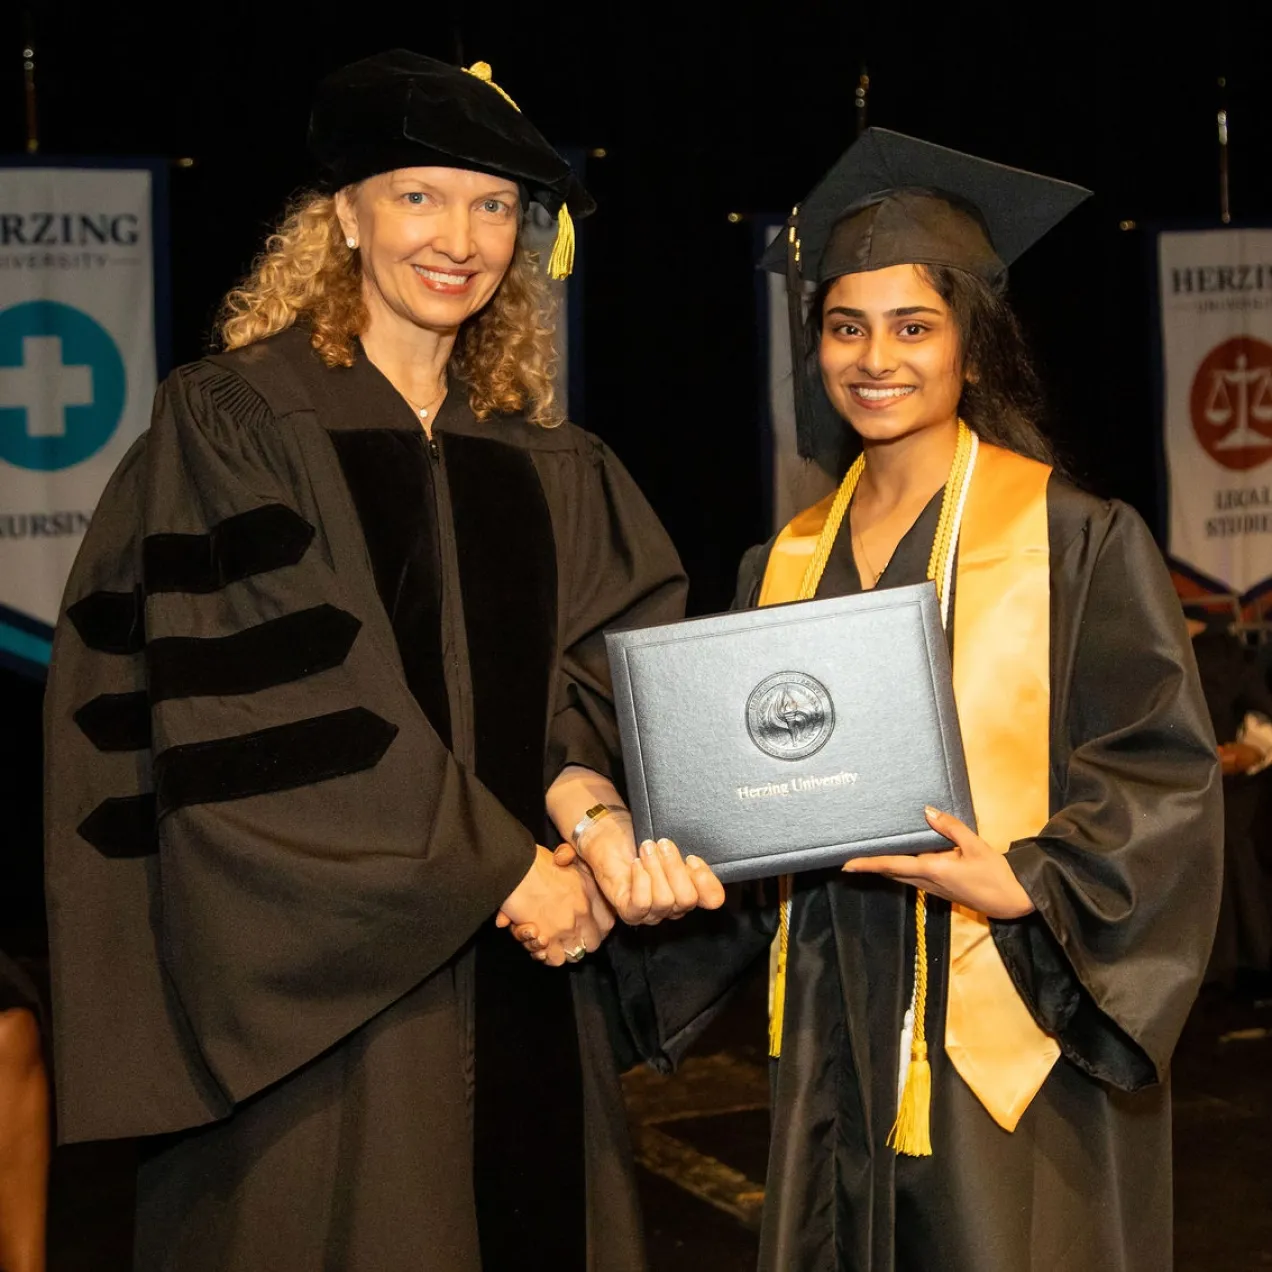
703,110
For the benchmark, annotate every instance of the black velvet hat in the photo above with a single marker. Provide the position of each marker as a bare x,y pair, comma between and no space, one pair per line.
401,110
896,200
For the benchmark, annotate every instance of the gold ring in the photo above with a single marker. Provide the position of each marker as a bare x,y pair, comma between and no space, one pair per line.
576,954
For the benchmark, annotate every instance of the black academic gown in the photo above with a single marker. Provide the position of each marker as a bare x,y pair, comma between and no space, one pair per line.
312,679
1125,878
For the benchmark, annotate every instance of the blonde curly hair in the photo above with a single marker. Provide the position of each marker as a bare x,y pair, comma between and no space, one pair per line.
504,353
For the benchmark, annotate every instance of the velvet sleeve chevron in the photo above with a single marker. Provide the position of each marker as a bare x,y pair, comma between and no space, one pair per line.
621,570
255,840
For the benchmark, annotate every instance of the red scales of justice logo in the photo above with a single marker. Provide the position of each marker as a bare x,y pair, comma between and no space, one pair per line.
1231,403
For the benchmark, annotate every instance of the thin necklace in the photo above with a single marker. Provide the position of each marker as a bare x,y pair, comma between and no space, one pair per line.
859,540
425,411
875,575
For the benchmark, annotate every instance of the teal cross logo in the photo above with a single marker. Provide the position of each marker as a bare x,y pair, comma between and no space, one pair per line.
62,385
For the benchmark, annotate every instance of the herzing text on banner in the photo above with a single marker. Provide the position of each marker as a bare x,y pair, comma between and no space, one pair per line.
1216,311
77,372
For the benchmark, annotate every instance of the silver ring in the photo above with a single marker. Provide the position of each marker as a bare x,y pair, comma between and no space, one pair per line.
576,954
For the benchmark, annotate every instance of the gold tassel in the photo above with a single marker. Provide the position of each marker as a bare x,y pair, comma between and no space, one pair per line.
777,990
807,590
911,1133
561,262
482,71
776,1017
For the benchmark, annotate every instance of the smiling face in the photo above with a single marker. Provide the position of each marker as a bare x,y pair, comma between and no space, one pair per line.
435,243
890,353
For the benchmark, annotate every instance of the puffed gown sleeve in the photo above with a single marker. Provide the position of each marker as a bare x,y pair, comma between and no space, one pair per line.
1126,875
255,840
621,570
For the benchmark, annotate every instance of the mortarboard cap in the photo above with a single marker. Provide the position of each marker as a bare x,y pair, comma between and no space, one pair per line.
403,110
895,200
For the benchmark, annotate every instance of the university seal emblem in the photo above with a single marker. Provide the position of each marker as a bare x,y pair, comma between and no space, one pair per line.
790,715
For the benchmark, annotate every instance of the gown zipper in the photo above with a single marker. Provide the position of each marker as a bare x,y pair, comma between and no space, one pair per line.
448,586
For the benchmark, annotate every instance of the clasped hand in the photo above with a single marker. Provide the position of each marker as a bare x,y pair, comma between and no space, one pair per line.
642,886
561,905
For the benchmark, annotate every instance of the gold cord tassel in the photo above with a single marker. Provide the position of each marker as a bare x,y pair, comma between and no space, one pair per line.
777,1001
911,1134
561,262
482,71
807,590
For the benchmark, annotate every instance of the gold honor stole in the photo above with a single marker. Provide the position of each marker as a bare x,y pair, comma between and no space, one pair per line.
1002,686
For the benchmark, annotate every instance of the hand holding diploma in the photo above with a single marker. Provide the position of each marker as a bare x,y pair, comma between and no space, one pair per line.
643,885
649,884
974,874
640,885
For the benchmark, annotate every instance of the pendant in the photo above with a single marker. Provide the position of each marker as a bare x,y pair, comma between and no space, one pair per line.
423,413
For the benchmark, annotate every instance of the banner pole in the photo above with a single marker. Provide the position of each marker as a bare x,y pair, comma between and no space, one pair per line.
1225,44
28,84
1225,211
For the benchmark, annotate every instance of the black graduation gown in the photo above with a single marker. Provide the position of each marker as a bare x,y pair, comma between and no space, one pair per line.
312,678
1125,878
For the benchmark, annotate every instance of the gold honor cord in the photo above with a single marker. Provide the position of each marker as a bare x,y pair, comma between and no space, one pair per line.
911,1132
561,262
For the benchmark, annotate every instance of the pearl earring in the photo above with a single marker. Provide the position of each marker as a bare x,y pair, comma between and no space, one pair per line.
351,242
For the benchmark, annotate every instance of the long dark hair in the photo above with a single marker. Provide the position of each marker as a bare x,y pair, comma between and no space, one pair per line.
1003,400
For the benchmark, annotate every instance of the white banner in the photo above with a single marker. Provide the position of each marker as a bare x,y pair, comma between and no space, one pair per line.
1216,310
77,371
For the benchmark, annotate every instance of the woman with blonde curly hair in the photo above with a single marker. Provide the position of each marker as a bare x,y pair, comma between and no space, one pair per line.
330,674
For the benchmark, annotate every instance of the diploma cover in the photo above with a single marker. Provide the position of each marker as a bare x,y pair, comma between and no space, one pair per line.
792,737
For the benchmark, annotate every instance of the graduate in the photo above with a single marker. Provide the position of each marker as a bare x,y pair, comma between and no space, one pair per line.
332,639
973,1045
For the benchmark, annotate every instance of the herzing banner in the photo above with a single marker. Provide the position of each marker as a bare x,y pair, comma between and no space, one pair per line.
793,483
1216,330
77,372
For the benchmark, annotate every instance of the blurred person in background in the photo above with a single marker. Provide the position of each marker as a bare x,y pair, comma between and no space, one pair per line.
24,1124
1240,707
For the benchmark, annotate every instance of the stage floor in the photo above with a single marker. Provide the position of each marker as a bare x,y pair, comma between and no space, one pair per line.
702,1137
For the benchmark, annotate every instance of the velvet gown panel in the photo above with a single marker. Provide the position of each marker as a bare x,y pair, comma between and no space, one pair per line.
311,681
1125,878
